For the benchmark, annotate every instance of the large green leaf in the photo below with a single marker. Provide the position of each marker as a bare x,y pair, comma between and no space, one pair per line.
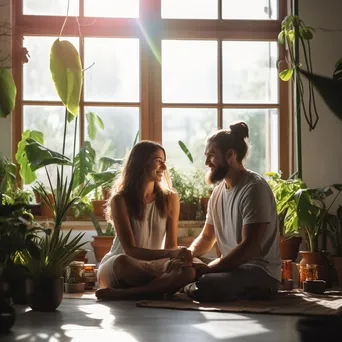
8,92
98,179
330,90
67,74
39,156
107,162
308,213
94,121
26,173
104,177
84,163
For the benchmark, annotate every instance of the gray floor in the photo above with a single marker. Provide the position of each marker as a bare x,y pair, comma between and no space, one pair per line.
86,320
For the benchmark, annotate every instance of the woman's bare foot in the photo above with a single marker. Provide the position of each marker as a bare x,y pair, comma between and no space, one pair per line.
108,293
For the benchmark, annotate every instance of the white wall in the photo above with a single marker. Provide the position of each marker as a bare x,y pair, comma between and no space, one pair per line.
5,49
322,147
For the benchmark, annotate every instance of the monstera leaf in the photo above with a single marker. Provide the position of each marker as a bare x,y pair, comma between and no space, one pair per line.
26,173
84,163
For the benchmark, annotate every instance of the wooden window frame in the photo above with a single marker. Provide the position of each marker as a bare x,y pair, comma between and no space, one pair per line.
150,28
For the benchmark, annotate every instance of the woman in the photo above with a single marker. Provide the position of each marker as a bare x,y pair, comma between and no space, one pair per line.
144,257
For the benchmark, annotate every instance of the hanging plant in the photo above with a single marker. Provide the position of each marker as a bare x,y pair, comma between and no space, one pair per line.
293,30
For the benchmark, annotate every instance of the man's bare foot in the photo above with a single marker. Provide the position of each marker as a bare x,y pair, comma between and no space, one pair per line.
108,293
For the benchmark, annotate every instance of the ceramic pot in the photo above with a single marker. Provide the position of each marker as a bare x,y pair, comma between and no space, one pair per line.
44,294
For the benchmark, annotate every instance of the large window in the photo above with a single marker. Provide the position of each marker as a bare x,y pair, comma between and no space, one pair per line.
170,69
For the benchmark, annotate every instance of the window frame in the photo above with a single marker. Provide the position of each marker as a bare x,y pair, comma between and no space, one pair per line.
155,29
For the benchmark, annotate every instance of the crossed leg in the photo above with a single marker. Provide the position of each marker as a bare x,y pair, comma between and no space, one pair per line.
140,277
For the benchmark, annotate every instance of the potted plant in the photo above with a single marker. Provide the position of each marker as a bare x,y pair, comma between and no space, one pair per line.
57,250
294,32
103,241
45,284
204,189
188,193
284,191
8,182
312,213
17,233
74,281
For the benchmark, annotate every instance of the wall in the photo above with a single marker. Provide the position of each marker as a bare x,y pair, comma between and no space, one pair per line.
321,148
5,49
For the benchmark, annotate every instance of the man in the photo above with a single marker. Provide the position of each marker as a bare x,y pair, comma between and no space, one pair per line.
242,219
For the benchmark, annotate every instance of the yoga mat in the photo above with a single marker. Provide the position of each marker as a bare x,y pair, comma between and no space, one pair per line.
285,303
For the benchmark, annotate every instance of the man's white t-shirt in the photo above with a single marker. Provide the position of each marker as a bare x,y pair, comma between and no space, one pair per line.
249,201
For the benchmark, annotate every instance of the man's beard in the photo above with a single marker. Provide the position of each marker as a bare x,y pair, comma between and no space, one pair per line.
217,174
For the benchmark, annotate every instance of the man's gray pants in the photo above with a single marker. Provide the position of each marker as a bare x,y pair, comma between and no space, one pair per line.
245,282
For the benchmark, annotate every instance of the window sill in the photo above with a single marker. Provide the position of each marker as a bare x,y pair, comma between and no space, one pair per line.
84,223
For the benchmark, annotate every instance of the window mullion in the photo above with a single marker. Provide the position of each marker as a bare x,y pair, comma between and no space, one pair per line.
82,109
151,124
220,9
220,82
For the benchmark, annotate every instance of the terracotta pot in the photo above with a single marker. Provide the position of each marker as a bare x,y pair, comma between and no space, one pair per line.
321,260
101,246
289,247
338,267
187,211
37,197
99,207
44,294
44,208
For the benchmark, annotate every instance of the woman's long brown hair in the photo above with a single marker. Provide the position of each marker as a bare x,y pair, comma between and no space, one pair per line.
132,180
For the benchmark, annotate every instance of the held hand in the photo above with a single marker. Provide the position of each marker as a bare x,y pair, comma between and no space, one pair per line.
177,264
183,254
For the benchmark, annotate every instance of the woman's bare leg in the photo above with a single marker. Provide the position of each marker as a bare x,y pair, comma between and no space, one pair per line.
169,282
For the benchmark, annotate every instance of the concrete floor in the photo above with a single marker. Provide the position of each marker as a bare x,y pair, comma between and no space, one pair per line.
87,320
